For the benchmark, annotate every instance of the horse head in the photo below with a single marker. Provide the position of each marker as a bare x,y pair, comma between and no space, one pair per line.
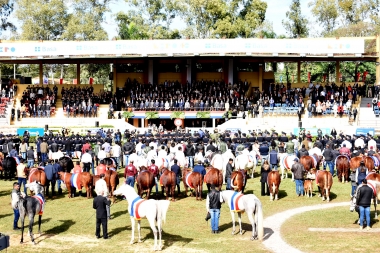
35,187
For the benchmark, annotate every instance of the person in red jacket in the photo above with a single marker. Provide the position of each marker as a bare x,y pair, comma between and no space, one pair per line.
154,169
130,173
345,151
101,168
77,168
85,147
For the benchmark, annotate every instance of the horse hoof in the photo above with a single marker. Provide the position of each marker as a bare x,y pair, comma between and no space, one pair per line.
131,242
139,241
21,242
253,238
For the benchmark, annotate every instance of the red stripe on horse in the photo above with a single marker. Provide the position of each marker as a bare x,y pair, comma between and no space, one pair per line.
237,209
137,216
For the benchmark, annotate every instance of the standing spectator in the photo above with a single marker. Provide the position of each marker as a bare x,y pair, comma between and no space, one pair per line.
127,151
200,169
102,154
101,186
96,151
154,169
130,173
328,155
116,153
213,204
101,168
229,169
264,150
23,149
190,152
363,200
298,171
58,168
361,173
354,184
77,169
86,160
30,157
273,159
51,176
100,204
44,150
177,170
21,177
265,168
15,195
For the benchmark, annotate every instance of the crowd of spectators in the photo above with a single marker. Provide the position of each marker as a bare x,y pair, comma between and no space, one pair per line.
37,101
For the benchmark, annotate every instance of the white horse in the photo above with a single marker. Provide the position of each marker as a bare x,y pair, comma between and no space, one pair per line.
246,162
153,210
286,163
238,203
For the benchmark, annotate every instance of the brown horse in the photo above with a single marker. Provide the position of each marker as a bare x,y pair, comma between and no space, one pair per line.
168,182
310,162
342,168
274,181
308,186
373,176
239,180
145,182
355,162
213,176
1,164
77,181
324,181
193,180
36,174
112,181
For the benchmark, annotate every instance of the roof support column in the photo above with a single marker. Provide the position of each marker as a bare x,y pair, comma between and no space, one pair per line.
114,81
78,73
299,72
378,60
260,82
41,73
337,72
150,71
231,71
188,70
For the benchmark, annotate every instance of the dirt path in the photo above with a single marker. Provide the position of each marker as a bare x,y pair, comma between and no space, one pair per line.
273,240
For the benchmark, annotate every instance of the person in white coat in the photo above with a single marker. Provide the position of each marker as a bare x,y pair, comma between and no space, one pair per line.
101,189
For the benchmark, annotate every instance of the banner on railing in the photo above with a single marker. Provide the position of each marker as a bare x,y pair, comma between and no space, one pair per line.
32,131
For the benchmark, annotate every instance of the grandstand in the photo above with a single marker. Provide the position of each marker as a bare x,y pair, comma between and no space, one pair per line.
165,61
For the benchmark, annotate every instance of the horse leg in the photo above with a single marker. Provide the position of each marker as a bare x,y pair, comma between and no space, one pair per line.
39,224
253,223
22,229
233,222
133,230
139,230
31,222
239,218
154,230
172,193
276,195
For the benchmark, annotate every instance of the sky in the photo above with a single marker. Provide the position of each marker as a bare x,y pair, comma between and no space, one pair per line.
276,11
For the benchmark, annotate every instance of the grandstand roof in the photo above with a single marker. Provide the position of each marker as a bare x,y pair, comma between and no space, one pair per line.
106,51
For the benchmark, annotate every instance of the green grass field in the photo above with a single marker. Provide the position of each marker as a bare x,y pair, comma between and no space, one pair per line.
69,225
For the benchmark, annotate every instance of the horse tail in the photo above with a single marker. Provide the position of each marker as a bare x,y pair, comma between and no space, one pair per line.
259,219
162,209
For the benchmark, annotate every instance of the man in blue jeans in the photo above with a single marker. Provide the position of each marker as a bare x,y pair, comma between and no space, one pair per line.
364,197
329,156
213,204
299,171
15,195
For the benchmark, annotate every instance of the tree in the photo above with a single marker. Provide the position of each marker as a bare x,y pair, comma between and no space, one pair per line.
42,19
296,24
326,13
85,23
6,8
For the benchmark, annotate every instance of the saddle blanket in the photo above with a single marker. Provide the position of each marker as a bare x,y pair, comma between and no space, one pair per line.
375,161
234,202
187,180
40,199
135,207
75,182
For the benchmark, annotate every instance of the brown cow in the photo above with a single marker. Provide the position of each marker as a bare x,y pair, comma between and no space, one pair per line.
145,182
324,181
308,186
342,168
239,180
168,182
274,181
84,179
193,180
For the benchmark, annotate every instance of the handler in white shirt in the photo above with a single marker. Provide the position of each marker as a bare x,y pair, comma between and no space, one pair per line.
102,189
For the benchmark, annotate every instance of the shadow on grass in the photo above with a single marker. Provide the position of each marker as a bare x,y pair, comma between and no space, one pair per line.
332,196
268,232
66,224
245,227
282,194
119,213
43,220
5,215
169,239
118,230
5,193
